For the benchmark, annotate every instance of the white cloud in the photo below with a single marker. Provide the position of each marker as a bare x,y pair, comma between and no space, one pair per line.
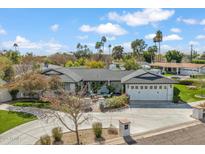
191,21
44,47
55,27
2,31
150,36
111,38
82,37
193,43
166,47
108,28
172,37
200,37
144,17
175,30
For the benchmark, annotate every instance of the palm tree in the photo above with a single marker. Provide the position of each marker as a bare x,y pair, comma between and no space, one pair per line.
103,41
158,38
15,45
98,45
109,46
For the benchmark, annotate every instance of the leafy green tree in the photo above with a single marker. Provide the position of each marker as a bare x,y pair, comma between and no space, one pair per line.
150,53
98,46
82,51
174,55
117,52
138,46
95,64
6,69
130,64
14,56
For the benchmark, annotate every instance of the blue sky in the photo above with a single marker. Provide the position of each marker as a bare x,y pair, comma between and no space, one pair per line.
46,31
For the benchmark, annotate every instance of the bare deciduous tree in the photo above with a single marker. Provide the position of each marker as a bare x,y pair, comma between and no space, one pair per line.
73,106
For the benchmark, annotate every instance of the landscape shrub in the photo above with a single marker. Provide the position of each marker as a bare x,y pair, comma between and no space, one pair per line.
176,97
112,130
57,134
197,61
45,140
97,129
186,82
117,101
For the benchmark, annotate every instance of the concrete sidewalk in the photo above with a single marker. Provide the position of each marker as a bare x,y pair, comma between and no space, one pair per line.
138,136
142,120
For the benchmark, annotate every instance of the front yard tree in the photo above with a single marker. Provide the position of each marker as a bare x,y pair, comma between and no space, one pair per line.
117,52
174,55
73,106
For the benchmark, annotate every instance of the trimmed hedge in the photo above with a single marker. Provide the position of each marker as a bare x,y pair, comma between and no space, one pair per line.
186,82
198,61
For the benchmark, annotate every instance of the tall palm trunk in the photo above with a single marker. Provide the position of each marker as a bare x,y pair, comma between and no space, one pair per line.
159,57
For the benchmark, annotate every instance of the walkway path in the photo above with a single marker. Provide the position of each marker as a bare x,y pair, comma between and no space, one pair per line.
142,120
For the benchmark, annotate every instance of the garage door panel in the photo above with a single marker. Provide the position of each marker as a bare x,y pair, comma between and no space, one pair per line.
148,94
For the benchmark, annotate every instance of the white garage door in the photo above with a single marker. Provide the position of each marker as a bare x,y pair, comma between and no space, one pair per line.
147,92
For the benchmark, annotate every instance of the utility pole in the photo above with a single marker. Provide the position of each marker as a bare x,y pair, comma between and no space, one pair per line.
191,53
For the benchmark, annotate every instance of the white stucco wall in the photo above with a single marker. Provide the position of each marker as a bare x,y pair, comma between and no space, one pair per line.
185,71
5,96
163,94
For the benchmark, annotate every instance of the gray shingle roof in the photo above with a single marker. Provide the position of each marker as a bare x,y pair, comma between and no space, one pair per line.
146,77
84,74
100,74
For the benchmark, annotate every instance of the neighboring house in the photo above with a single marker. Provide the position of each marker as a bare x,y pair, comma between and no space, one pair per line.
4,93
139,85
180,68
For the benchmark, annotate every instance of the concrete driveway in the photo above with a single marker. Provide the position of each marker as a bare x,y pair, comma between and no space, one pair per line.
142,120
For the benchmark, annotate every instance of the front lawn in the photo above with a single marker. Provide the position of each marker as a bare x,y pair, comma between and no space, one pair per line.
188,95
10,119
37,104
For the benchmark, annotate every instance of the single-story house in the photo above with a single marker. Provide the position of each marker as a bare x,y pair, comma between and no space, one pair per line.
180,68
139,84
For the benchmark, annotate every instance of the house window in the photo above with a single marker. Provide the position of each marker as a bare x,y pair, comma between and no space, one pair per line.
151,87
145,87
132,87
160,87
165,87
155,87
170,86
136,87
141,87
127,86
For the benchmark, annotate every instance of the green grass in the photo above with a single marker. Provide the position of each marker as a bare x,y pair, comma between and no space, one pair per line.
10,119
32,104
168,74
188,95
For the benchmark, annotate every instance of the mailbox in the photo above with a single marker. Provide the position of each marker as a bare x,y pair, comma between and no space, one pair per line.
124,127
